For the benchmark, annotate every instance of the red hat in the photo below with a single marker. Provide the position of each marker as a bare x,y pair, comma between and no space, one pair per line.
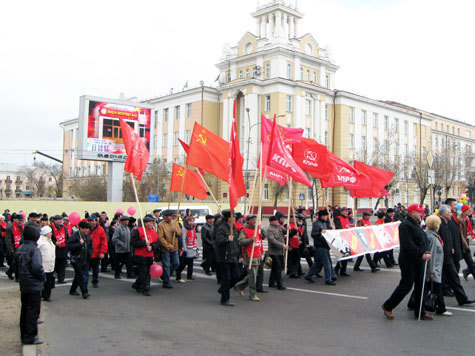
465,207
416,207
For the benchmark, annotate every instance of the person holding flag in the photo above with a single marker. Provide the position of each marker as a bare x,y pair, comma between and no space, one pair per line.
169,231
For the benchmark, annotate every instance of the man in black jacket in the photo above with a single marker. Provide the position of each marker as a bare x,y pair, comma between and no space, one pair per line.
412,257
80,248
208,245
28,267
227,256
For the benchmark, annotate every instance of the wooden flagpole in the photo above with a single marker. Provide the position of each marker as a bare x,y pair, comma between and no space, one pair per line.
209,190
288,225
256,174
138,204
324,190
259,210
179,203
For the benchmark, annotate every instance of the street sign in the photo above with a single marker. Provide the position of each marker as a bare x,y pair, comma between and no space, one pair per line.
431,176
430,159
153,198
301,196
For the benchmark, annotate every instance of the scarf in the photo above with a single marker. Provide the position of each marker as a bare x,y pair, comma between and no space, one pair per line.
59,235
191,239
16,234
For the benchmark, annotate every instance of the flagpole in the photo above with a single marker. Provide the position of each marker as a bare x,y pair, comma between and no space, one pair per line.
138,204
259,210
209,190
256,174
324,190
288,225
179,203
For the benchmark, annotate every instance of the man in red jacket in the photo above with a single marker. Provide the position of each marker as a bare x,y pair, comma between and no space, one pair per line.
99,247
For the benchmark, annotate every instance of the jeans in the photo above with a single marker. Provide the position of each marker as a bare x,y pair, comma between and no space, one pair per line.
322,256
167,259
95,265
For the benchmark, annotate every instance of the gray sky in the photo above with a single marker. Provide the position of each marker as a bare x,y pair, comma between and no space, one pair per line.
418,52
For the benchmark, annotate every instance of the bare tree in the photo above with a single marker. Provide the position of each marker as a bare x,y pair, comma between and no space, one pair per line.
38,175
276,190
91,188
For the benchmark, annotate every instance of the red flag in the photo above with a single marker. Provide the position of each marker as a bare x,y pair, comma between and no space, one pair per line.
344,174
289,136
379,179
137,152
279,158
237,188
209,152
193,185
313,158
186,147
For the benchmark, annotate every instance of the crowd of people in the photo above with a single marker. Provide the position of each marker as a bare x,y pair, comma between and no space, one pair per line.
38,251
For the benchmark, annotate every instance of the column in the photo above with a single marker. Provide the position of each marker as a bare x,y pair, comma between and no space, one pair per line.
296,28
278,25
286,26
270,30
264,26
291,27
252,104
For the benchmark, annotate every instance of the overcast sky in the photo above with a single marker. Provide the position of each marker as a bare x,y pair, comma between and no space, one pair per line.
418,52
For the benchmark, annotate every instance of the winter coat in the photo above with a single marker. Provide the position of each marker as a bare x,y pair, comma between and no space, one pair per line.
412,239
207,240
189,250
456,239
121,239
444,232
48,253
165,235
276,241
226,251
80,253
99,241
28,267
319,240
434,265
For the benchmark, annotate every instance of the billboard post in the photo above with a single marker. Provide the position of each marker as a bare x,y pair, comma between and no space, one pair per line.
115,180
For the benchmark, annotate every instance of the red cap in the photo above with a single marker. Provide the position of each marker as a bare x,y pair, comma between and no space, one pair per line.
465,207
416,207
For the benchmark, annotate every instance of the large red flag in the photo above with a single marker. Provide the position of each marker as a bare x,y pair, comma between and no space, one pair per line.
209,152
193,184
137,152
279,158
289,135
237,188
379,179
186,147
344,174
313,158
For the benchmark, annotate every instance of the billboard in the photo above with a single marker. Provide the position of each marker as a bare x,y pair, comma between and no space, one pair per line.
100,137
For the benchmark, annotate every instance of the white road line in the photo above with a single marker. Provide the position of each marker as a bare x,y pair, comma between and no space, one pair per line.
327,293
462,309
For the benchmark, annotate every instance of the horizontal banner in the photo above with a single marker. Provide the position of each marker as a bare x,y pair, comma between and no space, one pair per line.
357,241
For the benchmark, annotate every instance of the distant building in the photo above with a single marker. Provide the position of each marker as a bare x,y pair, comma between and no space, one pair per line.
25,182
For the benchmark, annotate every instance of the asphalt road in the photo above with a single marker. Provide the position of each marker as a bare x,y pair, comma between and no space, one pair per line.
305,319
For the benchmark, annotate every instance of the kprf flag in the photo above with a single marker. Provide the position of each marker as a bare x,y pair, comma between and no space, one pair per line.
237,188
280,159
193,184
313,158
137,152
186,148
345,175
289,136
379,179
209,152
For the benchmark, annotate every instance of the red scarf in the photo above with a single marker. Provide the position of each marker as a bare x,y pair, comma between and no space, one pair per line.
59,235
294,241
4,226
191,239
16,234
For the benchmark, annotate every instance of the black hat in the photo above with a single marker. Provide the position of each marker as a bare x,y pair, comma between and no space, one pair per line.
44,218
291,216
366,213
209,217
33,214
167,212
380,214
124,218
323,212
31,232
147,219
84,225
157,210
226,213
18,217
300,216
90,217
344,208
217,216
280,215
390,210
57,217
238,215
249,217
273,218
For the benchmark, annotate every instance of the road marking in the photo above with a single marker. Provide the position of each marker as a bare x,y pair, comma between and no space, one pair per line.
327,293
462,309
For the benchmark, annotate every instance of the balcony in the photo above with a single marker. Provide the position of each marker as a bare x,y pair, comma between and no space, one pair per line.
8,191
18,182
8,181
17,190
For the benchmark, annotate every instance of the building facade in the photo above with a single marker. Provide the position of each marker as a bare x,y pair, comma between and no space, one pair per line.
25,182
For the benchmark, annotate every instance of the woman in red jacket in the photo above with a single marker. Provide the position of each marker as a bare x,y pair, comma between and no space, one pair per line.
99,247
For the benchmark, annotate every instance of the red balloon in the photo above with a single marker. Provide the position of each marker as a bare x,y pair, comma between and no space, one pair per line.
74,218
156,271
131,210
119,211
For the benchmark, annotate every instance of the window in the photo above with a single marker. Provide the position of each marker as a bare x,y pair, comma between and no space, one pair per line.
327,81
406,127
240,74
315,77
363,143
309,194
177,112
468,134
165,115
307,132
326,138
351,115
375,120
396,125
363,117
308,107
308,75
436,125
188,135
453,130
188,109
301,73
155,118
228,76
175,138
458,131
289,71
70,171
71,134
441,127
375,144
386,122
351,141
267,103
265,195
267,70
247,72
288,103
396,148
406,149
326,111
448,129
165,140
18,178
386,146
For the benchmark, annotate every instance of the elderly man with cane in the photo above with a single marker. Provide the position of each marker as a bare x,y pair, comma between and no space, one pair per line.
413,256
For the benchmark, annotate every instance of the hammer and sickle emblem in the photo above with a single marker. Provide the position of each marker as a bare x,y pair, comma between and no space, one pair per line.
202,137
180,173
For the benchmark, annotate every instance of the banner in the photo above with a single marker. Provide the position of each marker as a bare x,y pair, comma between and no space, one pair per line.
357,241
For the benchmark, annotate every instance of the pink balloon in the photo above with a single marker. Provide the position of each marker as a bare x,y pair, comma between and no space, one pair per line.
74,218
131,210
119,211
24,215
156,271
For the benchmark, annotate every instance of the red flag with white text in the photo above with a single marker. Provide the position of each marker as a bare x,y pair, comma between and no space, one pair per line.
137,153
313,158
379,179
345,175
